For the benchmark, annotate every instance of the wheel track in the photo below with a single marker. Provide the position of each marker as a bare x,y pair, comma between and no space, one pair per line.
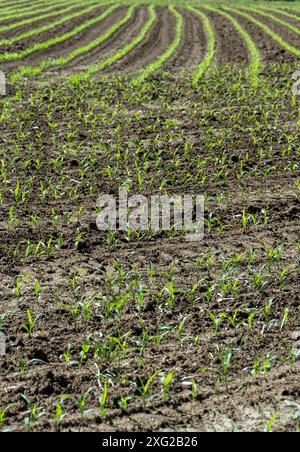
194,43
159,38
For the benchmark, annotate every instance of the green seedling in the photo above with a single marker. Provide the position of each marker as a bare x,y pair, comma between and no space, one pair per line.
31,322
165,382
270,423
145,388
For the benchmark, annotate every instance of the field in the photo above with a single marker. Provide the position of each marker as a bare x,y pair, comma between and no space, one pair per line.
144,330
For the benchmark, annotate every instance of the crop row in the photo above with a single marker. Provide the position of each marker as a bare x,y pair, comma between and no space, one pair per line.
25,7
48,26
278,11
211,47
33,11
266,29
32,20
255,57
120,53
30,71
273,18
160,61
153,67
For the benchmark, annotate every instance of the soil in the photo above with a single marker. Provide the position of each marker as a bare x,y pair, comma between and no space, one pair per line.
193,45
159,38
57,161
52,33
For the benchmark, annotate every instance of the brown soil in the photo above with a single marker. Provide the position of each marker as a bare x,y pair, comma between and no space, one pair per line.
288,35
230,47
37,24
63,146
269,49
157,41
192,48
54,32
123,35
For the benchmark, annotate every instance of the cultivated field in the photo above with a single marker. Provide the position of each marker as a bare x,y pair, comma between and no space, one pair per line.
146,331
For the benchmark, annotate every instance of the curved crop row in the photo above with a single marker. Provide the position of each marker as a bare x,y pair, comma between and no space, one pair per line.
48,26
211,47
272,17
288,7
24,10
266,29
36,70
32,20
254,52
8,56
153,67
279,11
21,7
13,16
93,69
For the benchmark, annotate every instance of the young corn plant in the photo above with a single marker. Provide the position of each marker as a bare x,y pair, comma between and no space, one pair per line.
145,388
